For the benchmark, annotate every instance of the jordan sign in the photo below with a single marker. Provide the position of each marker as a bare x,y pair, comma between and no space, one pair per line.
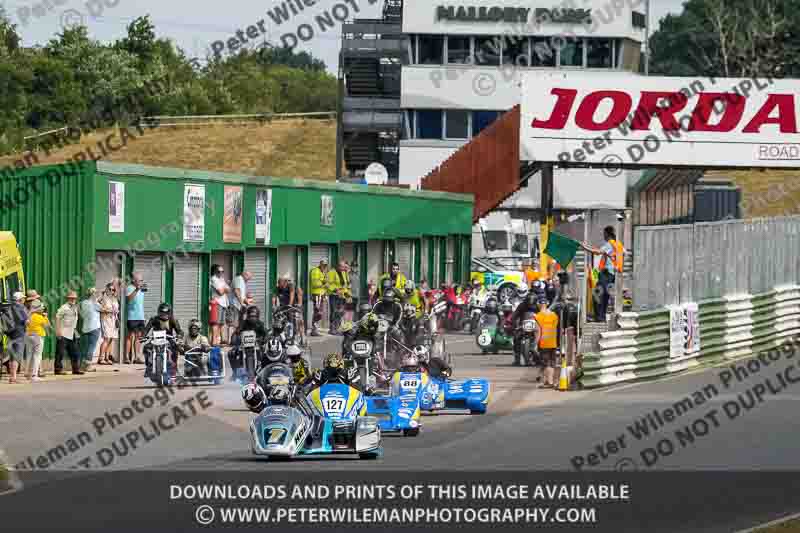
615,119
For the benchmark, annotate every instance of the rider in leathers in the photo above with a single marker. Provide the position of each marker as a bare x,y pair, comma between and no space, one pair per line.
252,322
388,307
528,305
163,321
196,340
333,371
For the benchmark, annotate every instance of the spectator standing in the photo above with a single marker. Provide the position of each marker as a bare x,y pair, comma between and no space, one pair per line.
90,328
338,294
283,294
16,335
30,298
134,296
238,297
372,292
219,303
319,293
109,324
548,342
34,340
67,335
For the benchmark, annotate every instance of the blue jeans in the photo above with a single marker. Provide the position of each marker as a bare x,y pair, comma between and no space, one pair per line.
88,345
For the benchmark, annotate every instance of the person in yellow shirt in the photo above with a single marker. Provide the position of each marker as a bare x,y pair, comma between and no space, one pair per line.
396,280
319,293
414,297
339,293
34,339
548,343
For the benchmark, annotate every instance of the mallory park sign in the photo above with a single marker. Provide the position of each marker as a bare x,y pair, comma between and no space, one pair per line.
510,14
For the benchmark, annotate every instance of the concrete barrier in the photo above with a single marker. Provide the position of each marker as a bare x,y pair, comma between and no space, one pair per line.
730,328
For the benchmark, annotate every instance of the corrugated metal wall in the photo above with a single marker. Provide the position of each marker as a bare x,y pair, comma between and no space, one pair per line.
55,239
677,264
487,166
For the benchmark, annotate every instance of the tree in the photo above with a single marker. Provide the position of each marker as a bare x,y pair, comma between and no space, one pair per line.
726,38
9,38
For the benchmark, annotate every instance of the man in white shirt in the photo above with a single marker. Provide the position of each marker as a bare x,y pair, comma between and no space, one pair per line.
219,303
67,335
238,297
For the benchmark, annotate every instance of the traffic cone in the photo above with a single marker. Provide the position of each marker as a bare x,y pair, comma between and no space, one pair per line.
563,379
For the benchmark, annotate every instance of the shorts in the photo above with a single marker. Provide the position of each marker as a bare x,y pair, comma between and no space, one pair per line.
548,356
232,317
216,315
135,326
16,348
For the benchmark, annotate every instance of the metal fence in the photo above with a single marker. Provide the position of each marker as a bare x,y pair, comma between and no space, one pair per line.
690,263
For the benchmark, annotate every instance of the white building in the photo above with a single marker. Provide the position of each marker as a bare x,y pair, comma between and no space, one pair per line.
466,57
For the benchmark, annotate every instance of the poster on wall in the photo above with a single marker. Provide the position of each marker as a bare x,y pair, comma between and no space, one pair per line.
232,220
326,210
194,210
263,215
692,317
116,207
684,330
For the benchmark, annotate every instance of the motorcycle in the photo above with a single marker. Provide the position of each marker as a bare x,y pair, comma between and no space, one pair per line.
529,334
358,350
476,304
199,365
162,367
250,353
331,419
457,309
287,316
492,336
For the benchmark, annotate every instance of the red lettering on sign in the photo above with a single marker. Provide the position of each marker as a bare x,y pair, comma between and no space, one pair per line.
621,107
557,121
787,117
734,109
648,106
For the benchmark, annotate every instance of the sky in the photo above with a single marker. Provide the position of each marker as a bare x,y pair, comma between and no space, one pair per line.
195,25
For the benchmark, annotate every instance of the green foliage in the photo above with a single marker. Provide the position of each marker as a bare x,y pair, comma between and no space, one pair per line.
74,80
723,38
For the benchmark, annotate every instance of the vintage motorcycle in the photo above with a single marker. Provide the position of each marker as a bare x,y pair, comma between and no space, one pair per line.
492,335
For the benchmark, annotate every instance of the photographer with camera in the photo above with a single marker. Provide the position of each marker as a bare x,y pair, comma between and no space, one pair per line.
134,295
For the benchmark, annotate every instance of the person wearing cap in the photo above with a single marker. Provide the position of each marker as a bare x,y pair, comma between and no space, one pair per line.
548,342
109,323
30,297
34,340
67,335
90,328
16,335
319,292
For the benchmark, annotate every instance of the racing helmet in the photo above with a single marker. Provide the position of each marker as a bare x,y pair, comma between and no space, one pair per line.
279,394
491,305
388,296
539,286
194,327
506,307
293,352
533,298
274,350
409,288
409,311
254,396
410,359
334,361
364,308
253,313
164,311
522,290
420,351
386,283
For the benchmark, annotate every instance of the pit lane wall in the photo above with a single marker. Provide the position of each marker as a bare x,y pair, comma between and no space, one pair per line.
645,346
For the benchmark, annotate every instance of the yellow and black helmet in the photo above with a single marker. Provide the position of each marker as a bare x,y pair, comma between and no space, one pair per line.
334,360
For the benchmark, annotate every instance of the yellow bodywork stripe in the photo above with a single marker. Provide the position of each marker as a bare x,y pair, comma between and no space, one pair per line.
315,399
352,396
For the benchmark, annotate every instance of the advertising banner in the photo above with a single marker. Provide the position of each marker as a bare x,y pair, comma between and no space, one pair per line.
684,330
194,210
326,211
620,118
116,207
263,215
232,218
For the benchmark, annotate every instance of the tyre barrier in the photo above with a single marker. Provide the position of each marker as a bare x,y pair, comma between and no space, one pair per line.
731,328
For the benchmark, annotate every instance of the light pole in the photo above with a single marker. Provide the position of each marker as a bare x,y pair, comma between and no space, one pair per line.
647,38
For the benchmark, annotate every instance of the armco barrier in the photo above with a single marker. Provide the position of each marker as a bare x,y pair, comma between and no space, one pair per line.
730,328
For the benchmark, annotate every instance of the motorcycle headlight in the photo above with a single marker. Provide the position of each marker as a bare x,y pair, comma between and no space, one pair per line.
529,325
361,348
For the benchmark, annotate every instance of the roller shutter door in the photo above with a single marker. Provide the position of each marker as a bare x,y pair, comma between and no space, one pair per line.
149,266
403,257
347,252
318,252
107,270
287,263
437,258
451,259
424,274
255,262
186,289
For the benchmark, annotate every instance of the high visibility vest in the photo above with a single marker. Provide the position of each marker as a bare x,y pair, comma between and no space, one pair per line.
416,300
317,282
399,285
548,321
335,282
616,256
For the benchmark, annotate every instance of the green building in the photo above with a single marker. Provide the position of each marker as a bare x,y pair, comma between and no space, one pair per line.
81,225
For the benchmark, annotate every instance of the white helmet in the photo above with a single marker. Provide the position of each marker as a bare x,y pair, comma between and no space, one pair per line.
420,351
279,394
274,350
293,351
253,396
522,290
410,359
409,310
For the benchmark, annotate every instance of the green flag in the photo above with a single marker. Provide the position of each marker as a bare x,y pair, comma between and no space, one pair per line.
561,248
